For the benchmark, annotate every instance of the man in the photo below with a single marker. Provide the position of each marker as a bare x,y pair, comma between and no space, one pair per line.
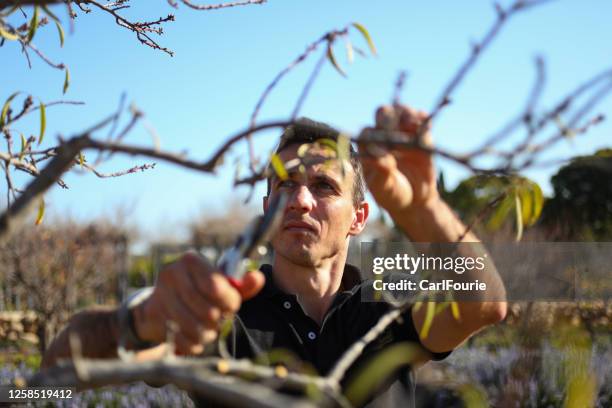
309,300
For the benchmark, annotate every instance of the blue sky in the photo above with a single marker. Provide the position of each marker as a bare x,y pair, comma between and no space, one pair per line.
224,60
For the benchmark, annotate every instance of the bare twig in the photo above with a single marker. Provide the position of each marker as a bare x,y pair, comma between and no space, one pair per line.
477,49
399,86
311,79
221,5
215,379
131,170
352,354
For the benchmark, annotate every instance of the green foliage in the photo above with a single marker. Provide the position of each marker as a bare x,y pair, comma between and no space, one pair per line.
493,199
43,123
349,47
333,61
581,208
366,35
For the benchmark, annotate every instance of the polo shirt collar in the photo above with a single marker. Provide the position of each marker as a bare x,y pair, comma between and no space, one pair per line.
351,277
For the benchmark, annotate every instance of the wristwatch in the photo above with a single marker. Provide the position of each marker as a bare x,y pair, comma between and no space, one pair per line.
128,336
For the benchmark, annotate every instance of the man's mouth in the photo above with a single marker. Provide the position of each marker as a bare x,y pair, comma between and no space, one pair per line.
299,226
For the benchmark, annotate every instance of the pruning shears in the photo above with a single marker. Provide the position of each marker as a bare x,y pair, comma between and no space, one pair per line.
250,245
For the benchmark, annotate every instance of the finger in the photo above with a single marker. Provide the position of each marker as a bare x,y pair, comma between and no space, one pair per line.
213,285
198,304
386,117
219,291
176,311
252,282
185,346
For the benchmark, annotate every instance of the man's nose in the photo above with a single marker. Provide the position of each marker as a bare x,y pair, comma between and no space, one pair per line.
301,199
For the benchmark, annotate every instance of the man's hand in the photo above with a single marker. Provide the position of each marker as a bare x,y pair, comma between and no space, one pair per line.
401,179
193,295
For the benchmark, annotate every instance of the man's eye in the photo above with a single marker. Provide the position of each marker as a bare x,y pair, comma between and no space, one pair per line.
323,185
285,184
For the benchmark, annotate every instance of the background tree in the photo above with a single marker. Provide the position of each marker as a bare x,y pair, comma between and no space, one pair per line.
581,208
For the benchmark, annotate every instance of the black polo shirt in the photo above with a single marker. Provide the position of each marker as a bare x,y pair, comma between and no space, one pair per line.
274,320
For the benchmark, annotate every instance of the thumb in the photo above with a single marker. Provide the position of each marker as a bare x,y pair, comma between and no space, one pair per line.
251,284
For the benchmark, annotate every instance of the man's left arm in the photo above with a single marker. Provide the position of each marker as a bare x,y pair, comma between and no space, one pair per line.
404,183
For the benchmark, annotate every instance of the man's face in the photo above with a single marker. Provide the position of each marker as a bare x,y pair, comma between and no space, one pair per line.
320,214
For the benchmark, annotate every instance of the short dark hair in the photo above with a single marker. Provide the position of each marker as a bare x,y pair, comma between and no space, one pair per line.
306,130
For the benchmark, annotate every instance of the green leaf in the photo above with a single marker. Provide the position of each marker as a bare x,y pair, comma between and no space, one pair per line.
24,145
279,167
43,123
303,149
58,24
332,59
526,200
500,213
7,35
344,147
5,109
377,370
519,217
81,159
226,328
429,316
66,80
60,31
538,201
33,25
41,212
455,310
367,37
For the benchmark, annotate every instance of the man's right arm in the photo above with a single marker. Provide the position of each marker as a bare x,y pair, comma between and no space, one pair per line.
98,334
189,292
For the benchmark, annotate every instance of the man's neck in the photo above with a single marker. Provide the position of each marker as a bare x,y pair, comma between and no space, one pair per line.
314,286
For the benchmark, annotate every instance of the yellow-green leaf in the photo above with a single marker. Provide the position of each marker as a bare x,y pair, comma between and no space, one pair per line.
378,369
538,201
24,145
367,37
279,167
66,80
43,123
455,310
526,200
303,149
344,147
500,213
332,59
33,24
81,159
60,32
5,109
429,316
519,217
41,212
9,36
58,24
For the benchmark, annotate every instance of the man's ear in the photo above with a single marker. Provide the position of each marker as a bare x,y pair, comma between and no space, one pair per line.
360,218
265,204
